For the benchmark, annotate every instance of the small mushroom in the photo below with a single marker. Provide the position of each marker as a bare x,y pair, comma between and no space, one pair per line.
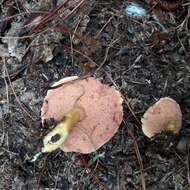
88,114
164,115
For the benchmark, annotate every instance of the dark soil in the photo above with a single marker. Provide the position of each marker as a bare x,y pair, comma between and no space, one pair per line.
146,58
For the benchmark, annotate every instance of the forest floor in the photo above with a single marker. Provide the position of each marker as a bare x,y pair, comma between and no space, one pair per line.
142,49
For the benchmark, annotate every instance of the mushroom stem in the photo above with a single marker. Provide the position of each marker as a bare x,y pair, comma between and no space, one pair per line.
171,126
58,135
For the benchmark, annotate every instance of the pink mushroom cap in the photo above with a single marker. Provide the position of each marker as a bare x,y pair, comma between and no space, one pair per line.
102,106
158,116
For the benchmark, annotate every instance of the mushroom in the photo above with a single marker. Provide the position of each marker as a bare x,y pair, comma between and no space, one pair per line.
88,114
164,115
